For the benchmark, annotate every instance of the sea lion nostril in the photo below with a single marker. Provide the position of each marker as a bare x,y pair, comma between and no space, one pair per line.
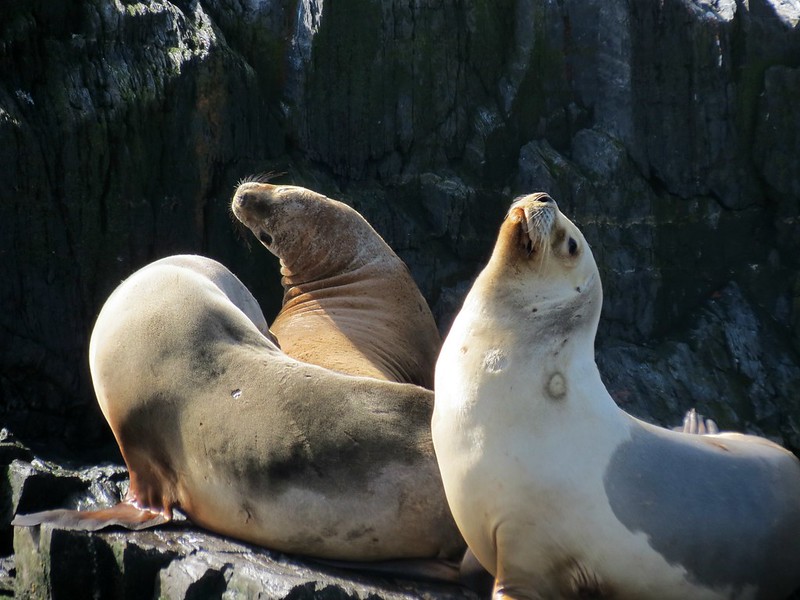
265,238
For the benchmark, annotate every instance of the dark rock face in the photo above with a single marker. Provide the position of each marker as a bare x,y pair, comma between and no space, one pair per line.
118,125
668,131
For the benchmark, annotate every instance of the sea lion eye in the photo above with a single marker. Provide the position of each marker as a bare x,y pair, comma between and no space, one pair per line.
572,245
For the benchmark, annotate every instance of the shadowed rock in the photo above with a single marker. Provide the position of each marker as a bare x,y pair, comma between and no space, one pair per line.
177,561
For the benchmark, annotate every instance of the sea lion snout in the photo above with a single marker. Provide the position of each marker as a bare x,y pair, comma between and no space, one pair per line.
540,211
243,199
253,206
539,218
252,201
536,215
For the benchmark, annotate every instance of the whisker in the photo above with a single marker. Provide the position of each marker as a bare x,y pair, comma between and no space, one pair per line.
241,230
261,177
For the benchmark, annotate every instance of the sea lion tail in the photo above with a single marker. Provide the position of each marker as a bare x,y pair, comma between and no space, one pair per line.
124,514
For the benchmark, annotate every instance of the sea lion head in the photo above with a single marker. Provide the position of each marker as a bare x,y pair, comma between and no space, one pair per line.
276,214
310,233
544,266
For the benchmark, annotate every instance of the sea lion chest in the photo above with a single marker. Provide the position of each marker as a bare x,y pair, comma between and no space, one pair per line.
494,386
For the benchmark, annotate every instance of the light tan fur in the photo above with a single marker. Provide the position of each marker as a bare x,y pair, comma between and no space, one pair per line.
560,493
212,418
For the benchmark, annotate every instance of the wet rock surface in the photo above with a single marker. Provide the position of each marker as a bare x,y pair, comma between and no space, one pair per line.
175,561
668,131
183,563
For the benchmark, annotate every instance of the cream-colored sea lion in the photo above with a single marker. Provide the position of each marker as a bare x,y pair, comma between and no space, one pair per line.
350,304
212,418
559,492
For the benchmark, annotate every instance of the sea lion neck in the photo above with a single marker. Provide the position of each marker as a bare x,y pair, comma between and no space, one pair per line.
335,244
350,304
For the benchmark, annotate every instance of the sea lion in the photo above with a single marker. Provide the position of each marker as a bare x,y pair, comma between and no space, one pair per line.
350,304
559,492
212,418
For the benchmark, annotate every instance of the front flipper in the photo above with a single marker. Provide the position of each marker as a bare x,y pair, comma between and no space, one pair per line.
124,514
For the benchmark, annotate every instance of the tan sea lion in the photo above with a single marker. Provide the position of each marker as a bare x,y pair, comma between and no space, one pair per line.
560,493
350,304
212,418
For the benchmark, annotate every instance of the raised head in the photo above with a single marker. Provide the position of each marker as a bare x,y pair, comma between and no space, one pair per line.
543,266
280,216
306,230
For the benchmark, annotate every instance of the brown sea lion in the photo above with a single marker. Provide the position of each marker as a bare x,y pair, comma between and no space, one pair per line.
350,304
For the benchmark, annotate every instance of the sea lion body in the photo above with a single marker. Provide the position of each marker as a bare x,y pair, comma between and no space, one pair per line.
350,304
557,491
212,418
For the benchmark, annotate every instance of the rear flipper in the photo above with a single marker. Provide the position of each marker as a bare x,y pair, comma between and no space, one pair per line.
697,424
124,514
